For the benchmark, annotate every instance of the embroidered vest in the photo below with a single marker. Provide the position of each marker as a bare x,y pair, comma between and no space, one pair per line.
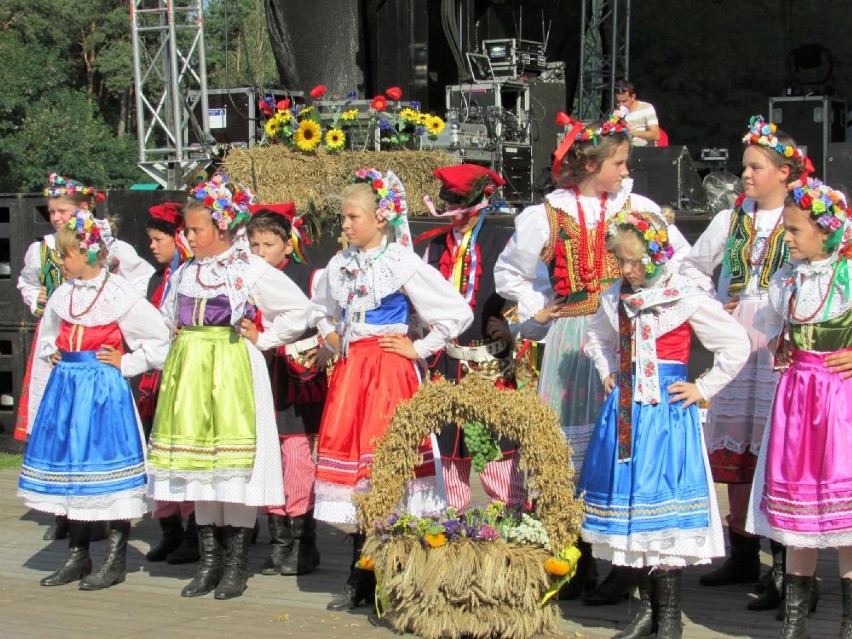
740,241
565,278
50,273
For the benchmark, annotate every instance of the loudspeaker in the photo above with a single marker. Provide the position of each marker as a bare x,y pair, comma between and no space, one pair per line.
814,121
667,176
838,166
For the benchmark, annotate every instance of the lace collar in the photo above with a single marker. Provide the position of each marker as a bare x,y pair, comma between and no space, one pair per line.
94,283
564,199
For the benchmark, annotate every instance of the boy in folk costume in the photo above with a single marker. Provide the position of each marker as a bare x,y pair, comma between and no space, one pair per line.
170,249
42,274
465,254
299,389
646,484
802,490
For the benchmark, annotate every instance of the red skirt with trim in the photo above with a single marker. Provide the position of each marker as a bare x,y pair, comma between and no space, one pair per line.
363,392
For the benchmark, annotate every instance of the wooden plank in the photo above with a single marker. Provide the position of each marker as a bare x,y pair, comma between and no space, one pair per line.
149,603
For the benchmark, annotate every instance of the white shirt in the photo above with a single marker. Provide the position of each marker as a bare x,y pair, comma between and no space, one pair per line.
642,118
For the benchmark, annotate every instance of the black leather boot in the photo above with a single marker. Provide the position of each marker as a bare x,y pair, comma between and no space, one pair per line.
642,624
57,530
846,604
774,587
796,602
77,563
742,566
210,565
615,587
187,551
237,547
172,528
812,602
281,541
586,578
666,600
114,569
305,556
360,585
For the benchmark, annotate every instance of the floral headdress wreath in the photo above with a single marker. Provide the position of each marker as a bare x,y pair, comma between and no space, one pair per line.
60,186
228,202
391,204
93,234
827,208
614,125
652,230
762,133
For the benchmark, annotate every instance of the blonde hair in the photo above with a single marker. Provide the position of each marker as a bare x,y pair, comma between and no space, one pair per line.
363,195
621,237
67,241
574,169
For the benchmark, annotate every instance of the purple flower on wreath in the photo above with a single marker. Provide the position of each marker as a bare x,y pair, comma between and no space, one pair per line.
452,528
393,519
488,533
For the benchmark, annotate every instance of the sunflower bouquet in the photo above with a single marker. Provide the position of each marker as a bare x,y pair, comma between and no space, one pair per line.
301,126
401,124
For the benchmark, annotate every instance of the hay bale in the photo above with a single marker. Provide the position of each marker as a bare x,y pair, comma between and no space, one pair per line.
280,173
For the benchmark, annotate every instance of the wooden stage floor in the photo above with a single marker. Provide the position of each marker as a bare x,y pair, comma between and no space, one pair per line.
149,605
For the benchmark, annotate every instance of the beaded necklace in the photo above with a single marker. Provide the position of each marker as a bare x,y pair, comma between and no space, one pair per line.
591,268
209,287
91,305
766,244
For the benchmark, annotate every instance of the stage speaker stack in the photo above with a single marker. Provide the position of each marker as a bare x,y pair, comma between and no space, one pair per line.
838,166
815,121
667,176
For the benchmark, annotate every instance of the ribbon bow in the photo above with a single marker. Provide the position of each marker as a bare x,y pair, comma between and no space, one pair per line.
564,120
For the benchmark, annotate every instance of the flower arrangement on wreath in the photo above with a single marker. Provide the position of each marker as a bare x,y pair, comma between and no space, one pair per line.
301,125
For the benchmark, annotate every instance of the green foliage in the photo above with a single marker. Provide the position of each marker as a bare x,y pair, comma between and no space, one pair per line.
237,43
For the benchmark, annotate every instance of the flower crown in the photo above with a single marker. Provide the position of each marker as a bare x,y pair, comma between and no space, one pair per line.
826,206
763,133
59,186
615,125
92,233
228,202
651,228
390,196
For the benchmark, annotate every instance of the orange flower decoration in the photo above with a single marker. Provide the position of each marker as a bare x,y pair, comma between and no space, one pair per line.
366,563
394,93
557,566
435,541
379,103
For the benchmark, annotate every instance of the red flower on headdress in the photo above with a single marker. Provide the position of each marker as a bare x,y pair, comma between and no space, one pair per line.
806,201
209,200
379,103
283,105
318,91
642,225
377,184
394,93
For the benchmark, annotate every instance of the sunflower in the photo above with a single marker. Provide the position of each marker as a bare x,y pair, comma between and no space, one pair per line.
350,115
409,114
335,139
435,125
272,127
308,136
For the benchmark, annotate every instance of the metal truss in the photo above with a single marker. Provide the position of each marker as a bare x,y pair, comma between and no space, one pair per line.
604,56
170,80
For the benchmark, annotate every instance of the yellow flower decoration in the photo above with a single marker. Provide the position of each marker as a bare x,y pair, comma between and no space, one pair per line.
307,109
348,116
423,118
435,125
409,114
335,139
308,136
272,127
435,541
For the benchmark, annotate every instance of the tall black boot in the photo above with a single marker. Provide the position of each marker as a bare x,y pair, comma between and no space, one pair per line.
742,566
642,624
210,565
586,577
360,585
796,602
77,563
615,587
237,547
58,529
846,603
666,600
812,601
305,556
772,594
282,544
187,552
114,569
172,528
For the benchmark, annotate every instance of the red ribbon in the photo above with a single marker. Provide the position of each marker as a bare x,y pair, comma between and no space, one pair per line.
563,119
809,168
444,228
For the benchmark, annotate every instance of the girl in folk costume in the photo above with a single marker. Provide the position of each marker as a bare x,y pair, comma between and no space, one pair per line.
42,274
748,242
362,307
85,458
214,440
170,250
646,484
802,490
567,235
299,390
465,254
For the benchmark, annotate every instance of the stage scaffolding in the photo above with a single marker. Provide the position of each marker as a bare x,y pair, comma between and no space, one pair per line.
170,80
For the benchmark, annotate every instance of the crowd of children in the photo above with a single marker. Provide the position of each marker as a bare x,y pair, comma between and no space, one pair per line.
237,413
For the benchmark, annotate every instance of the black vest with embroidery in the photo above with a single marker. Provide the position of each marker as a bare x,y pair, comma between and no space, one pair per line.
741,236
